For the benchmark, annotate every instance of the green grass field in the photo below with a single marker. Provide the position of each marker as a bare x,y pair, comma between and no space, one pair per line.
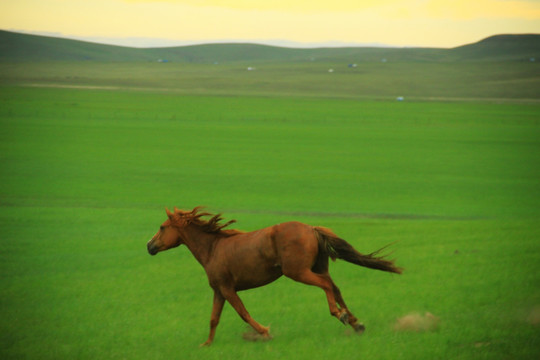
86,174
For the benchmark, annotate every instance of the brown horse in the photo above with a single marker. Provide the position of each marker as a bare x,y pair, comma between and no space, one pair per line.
235,260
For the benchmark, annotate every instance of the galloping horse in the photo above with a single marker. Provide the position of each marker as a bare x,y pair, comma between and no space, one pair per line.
235,260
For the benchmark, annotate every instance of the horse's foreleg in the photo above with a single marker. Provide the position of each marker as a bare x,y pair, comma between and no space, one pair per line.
217,307
232,297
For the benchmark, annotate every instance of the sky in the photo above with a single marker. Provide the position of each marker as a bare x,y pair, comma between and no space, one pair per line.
146,23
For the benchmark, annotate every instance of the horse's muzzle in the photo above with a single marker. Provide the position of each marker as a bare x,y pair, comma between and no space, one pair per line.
152,250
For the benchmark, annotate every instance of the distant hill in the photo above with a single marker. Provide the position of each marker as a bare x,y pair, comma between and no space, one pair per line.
16,47
501,48
23,47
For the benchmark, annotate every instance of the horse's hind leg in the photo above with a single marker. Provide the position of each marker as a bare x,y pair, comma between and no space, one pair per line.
352,320
324,282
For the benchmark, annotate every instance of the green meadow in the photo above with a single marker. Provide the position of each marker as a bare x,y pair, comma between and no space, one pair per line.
86,175
92,153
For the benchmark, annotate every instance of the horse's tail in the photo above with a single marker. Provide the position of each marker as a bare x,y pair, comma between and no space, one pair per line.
338,248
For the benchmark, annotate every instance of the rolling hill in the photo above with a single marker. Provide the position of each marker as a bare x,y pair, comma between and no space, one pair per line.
16,47
501,48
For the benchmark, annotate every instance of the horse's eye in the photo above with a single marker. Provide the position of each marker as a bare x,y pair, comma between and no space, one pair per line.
161,228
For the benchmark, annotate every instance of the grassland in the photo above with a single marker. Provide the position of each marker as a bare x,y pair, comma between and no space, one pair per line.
493,82
495,69
86,174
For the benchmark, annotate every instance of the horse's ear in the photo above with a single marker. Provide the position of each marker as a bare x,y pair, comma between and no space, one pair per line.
176,210
169,214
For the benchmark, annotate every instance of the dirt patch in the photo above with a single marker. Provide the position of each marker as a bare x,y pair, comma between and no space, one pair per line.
417,322
252,335
534,316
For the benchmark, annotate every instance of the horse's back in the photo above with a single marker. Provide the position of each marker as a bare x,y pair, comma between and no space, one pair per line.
292,230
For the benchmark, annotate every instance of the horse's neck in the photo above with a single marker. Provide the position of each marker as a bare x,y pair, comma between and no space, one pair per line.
199,243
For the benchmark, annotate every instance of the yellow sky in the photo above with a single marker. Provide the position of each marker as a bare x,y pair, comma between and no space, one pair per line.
439,23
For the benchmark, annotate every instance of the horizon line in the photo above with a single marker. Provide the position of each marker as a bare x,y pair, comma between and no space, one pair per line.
151,42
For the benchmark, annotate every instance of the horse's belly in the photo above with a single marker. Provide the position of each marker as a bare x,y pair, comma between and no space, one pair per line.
256,277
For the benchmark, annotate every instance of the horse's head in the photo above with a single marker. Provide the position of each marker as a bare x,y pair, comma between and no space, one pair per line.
168,236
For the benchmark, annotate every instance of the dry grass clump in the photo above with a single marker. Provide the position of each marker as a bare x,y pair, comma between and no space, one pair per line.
417,322
251,335
534,316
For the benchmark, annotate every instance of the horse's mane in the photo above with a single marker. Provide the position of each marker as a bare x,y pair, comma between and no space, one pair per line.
211,226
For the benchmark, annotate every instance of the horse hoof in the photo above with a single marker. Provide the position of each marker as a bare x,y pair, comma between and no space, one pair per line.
344,318
359,328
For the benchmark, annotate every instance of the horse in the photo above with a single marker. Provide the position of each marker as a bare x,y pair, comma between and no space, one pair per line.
236,260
